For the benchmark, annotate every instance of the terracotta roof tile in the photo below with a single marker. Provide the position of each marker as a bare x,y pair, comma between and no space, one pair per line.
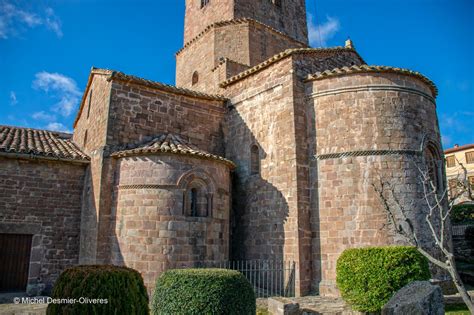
170,143
237,21
283,55
120,76
366,69
459,148
39,143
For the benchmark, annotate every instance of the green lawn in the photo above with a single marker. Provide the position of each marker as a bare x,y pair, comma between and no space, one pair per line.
456,309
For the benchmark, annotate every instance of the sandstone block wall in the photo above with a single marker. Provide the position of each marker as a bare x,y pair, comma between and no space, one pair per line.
90,134
197,18
289,18
138,113
266,222
152,233
356,113
43,199
244,42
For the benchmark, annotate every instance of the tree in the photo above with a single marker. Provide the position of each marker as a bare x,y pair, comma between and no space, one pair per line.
439,207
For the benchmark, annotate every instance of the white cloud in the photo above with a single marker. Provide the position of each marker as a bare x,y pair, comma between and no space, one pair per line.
13,100
62,87
319,34
456,127
43,116
56,126
14,20
53,22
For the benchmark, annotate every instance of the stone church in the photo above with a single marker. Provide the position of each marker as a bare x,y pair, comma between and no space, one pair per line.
266,148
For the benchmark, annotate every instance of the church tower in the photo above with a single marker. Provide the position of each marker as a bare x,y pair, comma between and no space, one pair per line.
239,33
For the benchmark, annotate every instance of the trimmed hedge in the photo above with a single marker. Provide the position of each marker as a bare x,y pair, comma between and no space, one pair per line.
368,277
462,213
122,287
203,291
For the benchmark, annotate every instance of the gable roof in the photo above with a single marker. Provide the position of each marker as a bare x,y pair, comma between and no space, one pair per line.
283,55
174,144
34,143
120,76
459,148
367,69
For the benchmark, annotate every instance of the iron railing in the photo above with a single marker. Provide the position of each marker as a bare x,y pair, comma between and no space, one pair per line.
268,277
459,230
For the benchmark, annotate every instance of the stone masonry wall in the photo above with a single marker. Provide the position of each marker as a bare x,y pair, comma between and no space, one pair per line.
139,114
356,113
243,42
266,218
289,18
43,198
196,18
94,121
151,232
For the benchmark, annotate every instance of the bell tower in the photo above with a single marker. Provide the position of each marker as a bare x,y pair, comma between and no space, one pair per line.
242,33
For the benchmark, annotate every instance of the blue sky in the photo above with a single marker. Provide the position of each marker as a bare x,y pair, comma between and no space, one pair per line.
48,47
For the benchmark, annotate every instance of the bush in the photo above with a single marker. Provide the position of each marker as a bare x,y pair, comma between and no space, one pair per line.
368,277
203,291
462,213
122,287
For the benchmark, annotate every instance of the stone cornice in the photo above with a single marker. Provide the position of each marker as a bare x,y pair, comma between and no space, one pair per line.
234,22
281,56
122,77
372,69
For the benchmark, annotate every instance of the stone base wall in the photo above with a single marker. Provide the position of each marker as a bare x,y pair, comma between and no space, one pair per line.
43,199
152,229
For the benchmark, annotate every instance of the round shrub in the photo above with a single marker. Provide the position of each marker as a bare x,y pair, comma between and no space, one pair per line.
462,214
368,277
203,291
122,287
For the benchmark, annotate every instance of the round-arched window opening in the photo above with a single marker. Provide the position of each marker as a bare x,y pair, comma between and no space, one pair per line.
254,160
433,165
197,203
195,78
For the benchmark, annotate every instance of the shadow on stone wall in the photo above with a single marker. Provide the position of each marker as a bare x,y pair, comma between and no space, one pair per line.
259,210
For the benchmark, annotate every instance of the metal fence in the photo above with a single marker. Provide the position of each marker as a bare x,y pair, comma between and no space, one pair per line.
268,277
459,230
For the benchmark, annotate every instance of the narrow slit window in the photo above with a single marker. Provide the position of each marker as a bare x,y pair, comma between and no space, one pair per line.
89,104
204,3
195,78
85,138
254,160
193,202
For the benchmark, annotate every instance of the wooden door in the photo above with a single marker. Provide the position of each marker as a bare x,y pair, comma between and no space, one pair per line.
15,252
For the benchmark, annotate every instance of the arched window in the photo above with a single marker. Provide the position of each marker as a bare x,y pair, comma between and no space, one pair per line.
195,78
433,165
254,160
198,201
204,3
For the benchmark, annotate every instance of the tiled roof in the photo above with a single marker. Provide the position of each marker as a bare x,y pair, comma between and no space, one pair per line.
170,143
120,76
283,55
39,143
460,148
366,69
237,21
117,75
